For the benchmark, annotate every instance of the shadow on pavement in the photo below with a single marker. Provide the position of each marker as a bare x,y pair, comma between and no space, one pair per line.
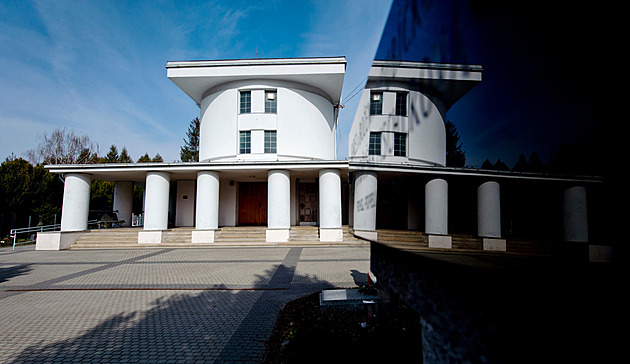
218,324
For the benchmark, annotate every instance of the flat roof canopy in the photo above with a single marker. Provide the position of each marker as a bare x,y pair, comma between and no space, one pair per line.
449,82
197,77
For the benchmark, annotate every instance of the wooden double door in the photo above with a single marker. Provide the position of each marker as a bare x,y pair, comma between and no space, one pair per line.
252,203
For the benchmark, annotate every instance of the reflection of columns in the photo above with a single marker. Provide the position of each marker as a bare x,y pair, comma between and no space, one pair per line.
436,213
365,189
76,202
489,216
123,201
278,206
330,205
156,207
575,218
207,215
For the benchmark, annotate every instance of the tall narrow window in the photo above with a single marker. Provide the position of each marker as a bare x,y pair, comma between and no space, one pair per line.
245,142
400,144
271,102
375,143
246,102
376,103
401,103
270,141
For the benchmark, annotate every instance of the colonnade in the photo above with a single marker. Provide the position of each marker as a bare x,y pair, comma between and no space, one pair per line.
575,225
157,189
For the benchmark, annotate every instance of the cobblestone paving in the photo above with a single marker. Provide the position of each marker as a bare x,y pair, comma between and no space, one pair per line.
213,305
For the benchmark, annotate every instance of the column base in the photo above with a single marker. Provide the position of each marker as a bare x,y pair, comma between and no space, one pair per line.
371,235
331,234
203,236
600,253
440,241
277,235
494,244
57,240
150,237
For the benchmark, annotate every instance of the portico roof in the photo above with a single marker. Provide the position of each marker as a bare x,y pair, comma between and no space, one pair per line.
449,82
195,78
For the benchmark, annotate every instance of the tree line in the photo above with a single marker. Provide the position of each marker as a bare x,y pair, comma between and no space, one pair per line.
29,193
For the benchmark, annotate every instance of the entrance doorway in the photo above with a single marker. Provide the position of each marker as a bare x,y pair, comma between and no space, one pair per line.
252,203
307,203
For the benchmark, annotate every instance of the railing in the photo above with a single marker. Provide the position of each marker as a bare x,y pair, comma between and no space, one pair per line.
36,229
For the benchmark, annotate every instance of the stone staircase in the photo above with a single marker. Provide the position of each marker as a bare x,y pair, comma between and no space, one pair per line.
125,238
240,235
108,239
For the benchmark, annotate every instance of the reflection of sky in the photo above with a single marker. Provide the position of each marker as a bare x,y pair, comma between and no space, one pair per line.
540,84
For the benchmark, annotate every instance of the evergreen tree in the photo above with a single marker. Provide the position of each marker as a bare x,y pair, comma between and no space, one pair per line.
190,151
500,166
144,159
124,156
486,165
455,156
112,155
157,158
521,165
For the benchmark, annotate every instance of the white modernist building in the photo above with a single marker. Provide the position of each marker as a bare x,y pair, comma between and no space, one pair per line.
267,158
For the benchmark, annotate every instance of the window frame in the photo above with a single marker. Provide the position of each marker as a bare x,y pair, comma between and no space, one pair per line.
245,142
245,104
376,107
271,141
401,110
271,106
374,147
400,144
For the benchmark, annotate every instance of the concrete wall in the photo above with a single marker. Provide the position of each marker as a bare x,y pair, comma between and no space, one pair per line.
304,122
424,126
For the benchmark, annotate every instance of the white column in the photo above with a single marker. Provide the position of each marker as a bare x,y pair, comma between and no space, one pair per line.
365,193
436,213
156,207
76,202
123,201
575,217
330,205
207,215
489,216
278,206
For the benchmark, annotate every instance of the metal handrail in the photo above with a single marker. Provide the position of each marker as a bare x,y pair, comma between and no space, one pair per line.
37,229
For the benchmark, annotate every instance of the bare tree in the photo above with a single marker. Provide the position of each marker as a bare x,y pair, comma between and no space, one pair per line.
62,147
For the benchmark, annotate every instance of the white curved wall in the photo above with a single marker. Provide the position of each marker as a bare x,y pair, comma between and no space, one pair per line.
304,122
424,125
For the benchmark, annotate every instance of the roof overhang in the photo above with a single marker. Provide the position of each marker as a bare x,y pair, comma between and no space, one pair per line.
448,82
197,77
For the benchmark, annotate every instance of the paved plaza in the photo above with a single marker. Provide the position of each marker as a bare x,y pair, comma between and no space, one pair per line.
158,305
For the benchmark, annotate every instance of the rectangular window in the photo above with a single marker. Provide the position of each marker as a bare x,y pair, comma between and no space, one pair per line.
270,141
375,143
271,102
400,144
376,103
245,142
401,103
246,102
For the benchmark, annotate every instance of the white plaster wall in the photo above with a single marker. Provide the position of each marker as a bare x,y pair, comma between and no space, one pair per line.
76,202
218,132
227,203
305,122
424,125
123,201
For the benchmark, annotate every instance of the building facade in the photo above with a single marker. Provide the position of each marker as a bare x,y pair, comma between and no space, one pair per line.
267,158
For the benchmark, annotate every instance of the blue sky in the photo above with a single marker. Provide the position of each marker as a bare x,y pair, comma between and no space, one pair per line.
97,67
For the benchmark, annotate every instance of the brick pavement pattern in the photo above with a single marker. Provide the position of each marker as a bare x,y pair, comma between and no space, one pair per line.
215,305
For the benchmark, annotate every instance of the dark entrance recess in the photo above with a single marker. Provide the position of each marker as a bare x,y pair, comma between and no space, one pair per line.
252,203
307,203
